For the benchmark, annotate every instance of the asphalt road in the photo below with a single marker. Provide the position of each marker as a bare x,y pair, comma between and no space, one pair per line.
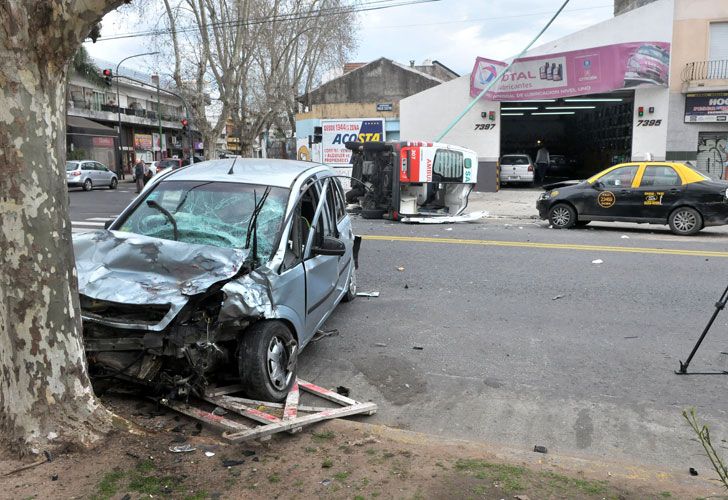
505,331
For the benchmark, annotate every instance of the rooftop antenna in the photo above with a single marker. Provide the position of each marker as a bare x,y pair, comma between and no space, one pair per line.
231,172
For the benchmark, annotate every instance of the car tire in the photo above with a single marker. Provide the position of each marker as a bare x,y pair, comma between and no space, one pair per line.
562,216
87,185
113,183
685,221
372,213
350,287
265,352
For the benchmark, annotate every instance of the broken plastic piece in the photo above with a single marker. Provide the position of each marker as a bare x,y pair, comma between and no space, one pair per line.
400,268
598,261
320,334
219,411
368,294
380,344
209,454
540,449
557,297
344,391
182,448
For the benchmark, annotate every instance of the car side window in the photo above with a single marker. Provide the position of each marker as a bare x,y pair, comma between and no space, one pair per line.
296,242
340,205
619,177
86,166
660,175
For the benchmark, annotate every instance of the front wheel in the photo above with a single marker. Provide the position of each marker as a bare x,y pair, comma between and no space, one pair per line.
562,216
267,357
685,221
113,183
87,185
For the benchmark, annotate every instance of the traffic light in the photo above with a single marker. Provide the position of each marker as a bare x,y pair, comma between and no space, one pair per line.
108,76
317,135
185,124
640,111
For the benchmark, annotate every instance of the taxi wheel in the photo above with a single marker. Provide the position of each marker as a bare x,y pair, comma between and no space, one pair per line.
685,221
562,216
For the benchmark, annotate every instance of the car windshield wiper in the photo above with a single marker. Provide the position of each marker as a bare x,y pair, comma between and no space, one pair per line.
170,218
253,224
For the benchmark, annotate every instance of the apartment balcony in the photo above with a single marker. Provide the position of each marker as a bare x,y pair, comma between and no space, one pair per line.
129,116
705,75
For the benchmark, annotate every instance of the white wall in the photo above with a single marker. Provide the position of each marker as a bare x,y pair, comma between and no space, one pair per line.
425,115
648,138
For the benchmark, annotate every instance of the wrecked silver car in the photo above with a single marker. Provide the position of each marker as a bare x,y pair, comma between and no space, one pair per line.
218,272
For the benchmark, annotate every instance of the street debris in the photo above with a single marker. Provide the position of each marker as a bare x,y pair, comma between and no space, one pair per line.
400,268
368,294
344,391
470,217
257,411
182,448
326,482
417,348
363,441
54,477
219,411
209,454
380,344
625,237
557,297
406,287
540,449
232,463
693,472
598,261
321,334
248,453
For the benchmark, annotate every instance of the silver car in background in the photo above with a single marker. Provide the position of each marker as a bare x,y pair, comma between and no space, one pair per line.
221,271
89,174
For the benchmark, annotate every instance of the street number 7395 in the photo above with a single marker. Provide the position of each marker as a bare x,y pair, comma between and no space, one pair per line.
649,123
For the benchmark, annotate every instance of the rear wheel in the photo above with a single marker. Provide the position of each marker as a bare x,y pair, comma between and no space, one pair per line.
350,287
267,360
685,221
562,216
87,185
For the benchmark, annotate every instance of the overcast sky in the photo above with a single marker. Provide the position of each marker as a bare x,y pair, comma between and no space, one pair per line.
453,32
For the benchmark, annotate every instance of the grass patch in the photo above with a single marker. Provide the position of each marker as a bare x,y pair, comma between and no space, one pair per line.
310,449
109,485
327,463
151,485
145,466
509,476
200,495
342,476
584,485
665,494
274,478
323,436
370,451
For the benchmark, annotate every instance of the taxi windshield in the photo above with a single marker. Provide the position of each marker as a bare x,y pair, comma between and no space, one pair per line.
209,213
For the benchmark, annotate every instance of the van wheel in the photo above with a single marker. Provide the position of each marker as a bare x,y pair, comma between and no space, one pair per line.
87,185
267,357
685,221
350,287
562,216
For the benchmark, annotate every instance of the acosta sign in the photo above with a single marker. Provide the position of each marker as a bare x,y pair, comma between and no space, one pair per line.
336,133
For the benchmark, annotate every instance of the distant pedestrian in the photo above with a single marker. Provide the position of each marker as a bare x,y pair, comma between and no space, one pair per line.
542,164
139,175
147,174
120,172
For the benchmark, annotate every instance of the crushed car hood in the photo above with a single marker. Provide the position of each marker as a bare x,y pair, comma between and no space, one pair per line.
131,269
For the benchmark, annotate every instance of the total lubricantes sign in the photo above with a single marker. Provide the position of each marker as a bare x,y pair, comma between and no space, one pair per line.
706,107
336,133
578,72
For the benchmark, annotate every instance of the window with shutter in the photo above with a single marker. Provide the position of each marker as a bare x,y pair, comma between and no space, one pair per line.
718,41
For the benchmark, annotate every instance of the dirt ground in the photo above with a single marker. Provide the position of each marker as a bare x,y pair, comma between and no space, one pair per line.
337,459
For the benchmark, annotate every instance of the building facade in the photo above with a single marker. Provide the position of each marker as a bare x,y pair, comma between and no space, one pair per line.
151,121
650,83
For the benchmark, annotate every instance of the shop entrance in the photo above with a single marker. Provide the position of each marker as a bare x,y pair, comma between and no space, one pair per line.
583,135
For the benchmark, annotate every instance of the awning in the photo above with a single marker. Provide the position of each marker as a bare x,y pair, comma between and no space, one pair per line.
89,125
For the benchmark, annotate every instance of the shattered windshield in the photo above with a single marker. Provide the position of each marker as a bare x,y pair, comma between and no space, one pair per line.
209,213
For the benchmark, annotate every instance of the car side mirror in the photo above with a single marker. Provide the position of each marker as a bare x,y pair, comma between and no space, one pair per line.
330,246
598,185
108,223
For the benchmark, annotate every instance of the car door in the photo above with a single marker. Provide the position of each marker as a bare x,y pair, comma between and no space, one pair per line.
660,188
103,173
322,271
88,172
609,197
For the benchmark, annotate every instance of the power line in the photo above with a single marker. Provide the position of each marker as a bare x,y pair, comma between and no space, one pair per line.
369,6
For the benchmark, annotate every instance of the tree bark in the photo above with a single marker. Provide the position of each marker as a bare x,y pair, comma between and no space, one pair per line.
46,399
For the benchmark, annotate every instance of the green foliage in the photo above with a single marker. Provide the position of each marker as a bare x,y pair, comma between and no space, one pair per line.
76,154
509,476
704,437
84,66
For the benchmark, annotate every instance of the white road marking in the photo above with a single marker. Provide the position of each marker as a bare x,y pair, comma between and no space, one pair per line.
87,223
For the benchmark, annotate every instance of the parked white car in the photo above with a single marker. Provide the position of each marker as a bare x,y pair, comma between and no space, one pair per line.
89,174
516,168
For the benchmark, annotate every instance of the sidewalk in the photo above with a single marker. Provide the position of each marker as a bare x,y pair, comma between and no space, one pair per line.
513,203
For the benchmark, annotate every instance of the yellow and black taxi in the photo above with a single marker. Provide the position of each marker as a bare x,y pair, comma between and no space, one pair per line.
652,192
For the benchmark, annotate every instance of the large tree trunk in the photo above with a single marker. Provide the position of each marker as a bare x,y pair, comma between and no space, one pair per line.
46,399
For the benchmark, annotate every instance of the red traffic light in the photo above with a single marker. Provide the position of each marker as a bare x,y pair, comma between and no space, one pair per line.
184,122
107,72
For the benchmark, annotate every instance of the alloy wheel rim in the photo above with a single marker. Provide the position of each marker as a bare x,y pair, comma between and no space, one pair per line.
561,217
684,221
277,364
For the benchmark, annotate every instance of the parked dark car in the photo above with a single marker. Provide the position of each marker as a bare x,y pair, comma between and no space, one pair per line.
652,192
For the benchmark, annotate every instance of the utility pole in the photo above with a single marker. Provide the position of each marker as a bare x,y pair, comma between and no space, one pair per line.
159,116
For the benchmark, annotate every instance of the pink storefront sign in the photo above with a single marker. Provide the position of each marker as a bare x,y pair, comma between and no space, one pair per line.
578,72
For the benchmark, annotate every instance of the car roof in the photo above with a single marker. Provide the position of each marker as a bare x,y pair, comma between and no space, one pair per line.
269,172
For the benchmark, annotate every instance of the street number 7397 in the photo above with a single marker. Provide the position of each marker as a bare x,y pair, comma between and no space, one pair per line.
484,126
649,123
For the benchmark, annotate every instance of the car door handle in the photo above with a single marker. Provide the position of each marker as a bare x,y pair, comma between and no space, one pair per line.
624,191
674,190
